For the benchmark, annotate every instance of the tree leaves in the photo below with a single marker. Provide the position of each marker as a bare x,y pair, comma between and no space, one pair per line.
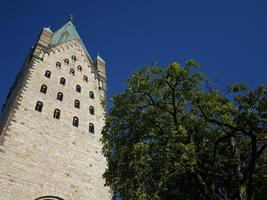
169,137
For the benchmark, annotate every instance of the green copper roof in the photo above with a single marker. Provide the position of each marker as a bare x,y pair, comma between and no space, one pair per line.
67,33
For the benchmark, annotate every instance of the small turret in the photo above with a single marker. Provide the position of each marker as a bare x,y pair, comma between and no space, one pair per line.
101,67
43,42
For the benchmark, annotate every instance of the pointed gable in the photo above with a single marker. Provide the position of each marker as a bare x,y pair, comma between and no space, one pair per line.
67,33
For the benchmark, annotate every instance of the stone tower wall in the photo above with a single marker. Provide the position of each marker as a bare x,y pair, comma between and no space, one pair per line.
44,156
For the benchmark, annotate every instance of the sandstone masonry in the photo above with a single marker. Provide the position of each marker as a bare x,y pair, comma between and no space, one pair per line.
47,158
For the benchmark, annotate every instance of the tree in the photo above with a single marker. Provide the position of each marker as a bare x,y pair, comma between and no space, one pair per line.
171,136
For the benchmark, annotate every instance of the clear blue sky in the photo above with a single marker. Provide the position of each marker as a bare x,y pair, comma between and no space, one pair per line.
229,38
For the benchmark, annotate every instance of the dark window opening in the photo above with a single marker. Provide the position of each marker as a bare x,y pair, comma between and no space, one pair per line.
47,74
91,110
39,106
62,81
99,85
72,71
91,95
56,113
43,89
77,103
73,58
85,78
66,61
60,96
79,68
91,128
78,88
58,65
75,121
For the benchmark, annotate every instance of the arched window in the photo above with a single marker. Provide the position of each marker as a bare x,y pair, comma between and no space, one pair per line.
77,103
56,113
62,81
91,110
73,57
91,95
49,198
79,68
66,60
78,88
43,89
47,74
75,121
60,96
72,72
85,78
91,128
58,65
39,106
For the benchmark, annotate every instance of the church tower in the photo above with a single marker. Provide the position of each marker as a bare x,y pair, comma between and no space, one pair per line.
51,123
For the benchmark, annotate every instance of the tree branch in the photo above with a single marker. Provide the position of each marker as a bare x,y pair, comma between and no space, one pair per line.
215,121
261,150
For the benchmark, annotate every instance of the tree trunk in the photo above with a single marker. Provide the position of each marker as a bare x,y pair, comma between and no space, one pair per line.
243,192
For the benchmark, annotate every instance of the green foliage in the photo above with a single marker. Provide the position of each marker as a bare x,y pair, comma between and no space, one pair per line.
169,137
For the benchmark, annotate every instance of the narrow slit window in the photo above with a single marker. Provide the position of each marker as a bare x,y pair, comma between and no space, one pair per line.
73,57
75,121
99,85
39,106
47,74
62,81
43,89
56,114
85,78
77,103
91,110
60,96
58,65
91,128
91,95
72,72
78,88
66,60
79,68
